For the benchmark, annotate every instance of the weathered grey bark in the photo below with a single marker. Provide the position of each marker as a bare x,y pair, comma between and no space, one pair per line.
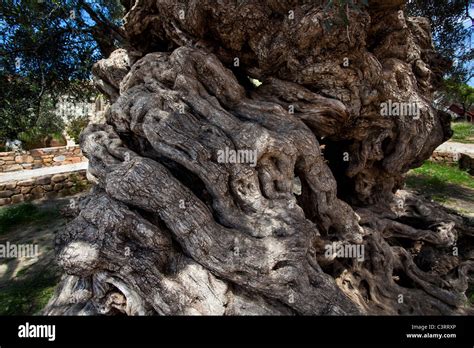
171,229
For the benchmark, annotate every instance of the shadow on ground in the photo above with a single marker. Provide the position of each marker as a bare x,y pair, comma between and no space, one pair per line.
453,196
27,283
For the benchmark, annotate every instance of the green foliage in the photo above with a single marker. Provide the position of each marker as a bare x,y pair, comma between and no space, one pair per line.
463,132
42,127
26,115
26,118
459,88
460,93
24,213
466,93
76,125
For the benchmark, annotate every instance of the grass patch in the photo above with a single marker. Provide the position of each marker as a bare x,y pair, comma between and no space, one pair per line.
463,132
438,175
24,213
443,183
27,296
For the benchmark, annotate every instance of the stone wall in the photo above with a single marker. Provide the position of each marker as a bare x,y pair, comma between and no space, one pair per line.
38,158
47,186
464,161
446,157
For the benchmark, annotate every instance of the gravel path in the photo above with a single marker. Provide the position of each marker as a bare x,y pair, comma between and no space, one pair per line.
33,173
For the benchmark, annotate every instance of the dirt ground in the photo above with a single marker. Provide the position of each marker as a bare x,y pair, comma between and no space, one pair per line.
453,196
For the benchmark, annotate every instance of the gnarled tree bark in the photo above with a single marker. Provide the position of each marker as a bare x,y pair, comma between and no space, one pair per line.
171,228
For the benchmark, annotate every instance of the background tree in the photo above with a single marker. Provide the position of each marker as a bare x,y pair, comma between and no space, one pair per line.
452,27
47,48
461,93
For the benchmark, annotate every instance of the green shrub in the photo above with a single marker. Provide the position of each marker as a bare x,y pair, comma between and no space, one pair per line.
75,127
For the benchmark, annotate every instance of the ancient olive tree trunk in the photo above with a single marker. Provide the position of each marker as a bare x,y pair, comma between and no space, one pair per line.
217,196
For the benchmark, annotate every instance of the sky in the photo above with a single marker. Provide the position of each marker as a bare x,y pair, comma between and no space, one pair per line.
469,24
